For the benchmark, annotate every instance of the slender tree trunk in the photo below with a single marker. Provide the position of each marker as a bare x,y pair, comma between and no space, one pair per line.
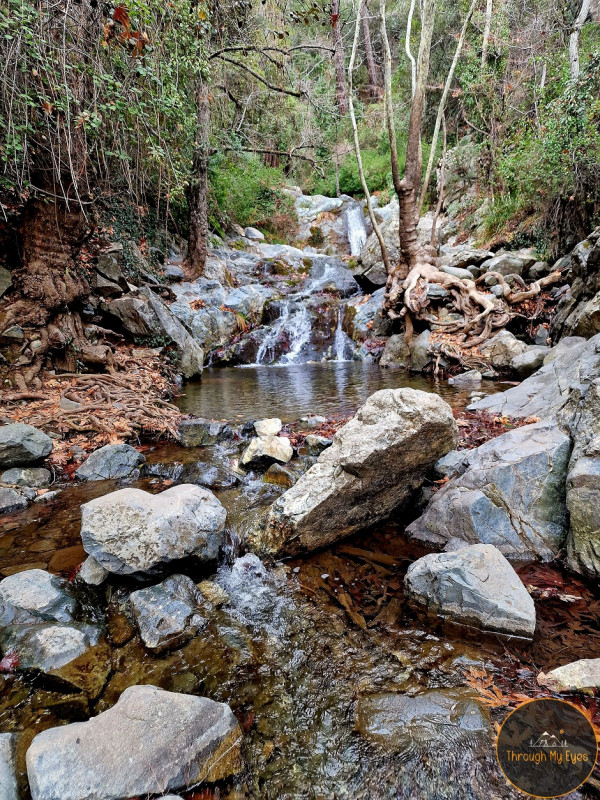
338,57
440,201
489,10
574,38
372,69
376,228
442,105
198,191
407,50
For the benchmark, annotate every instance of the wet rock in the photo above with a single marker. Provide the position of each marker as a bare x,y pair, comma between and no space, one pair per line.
200,432
12,500
474,585
110,461
173,272
470,378
5,281
569,367
32,476
579,676
8,778
87,673
364,318
203,473
313,421
331,275
375,464
268,427
131,531
529,360
420,355
396,352
169,613
264,450
510,494
583,503
502,348
48,647
215,594
149,742
33,596
398,721
316,444
280,476
92,573
21,445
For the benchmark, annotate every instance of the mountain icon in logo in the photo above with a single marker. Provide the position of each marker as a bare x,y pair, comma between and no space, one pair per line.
548,740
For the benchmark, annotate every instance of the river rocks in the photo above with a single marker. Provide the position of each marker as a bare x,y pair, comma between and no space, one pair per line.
264,450
280,476
169,613
110,461
375,464
364,317
579,676
420,355
21,445
572,365
457,272
268,427
529,360
473,586
442,716
200,432
332,276
510,494
583,503
316,444
131,531
12,500
50,646
92,573
502,348
37,477
34,596
396,352
465,256
470,378
8,780
150,742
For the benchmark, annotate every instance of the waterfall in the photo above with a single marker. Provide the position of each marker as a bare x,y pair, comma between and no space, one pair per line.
267,346
295,323
356,228
342,342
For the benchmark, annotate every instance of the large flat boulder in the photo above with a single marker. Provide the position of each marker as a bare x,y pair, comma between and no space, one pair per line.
21,445
375,464
475,586
510,494
131,531
150,742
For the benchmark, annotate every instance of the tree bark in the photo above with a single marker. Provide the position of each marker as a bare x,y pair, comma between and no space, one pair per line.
376,228
407,50
574,38
338,58
198,190
372,69
489,10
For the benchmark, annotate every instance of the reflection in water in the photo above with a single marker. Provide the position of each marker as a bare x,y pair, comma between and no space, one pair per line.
330,388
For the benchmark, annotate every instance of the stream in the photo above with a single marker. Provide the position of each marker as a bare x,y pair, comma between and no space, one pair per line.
307,652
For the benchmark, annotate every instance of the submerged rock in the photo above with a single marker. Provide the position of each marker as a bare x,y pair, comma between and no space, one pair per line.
169,613
34,596
151,741
110,461
50,646
376,462
474,586
510,493
470,378
132,531
201,432
22,444
8,779
398,721
579,676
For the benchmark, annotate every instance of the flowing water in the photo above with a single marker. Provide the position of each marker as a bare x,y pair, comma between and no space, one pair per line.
356,228
300,648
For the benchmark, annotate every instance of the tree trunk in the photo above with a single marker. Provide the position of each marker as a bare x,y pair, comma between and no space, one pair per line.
338,57
372,69
489,10
574,38
198,190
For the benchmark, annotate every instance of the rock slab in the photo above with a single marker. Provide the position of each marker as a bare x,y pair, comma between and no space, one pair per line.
110,461
150,742
21,445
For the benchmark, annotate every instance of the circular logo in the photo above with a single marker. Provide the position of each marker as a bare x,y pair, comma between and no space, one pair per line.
547,748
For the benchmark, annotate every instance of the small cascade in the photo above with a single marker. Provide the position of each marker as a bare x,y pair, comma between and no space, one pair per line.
342,344
298,329
293,324
356,228
266,351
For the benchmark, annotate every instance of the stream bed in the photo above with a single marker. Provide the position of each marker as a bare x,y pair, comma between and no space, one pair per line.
312,654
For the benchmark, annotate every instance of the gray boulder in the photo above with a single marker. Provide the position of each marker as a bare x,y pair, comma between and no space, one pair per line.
375,464
21,445
470,378
569,367
579,676
510,494
396,352
265,450
502,348
27,476
200,432
465,256
150,742
457,272
451,464
34,596
110,461
529,360
12,500
420,355
399,721
169,613
371,266
8,779
131,531
316,444
363,317
254,234
92,573
509,263
578,312
49,646
473,586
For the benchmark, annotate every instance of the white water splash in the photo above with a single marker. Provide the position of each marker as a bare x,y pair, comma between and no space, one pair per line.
298,328
356,229
342,343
